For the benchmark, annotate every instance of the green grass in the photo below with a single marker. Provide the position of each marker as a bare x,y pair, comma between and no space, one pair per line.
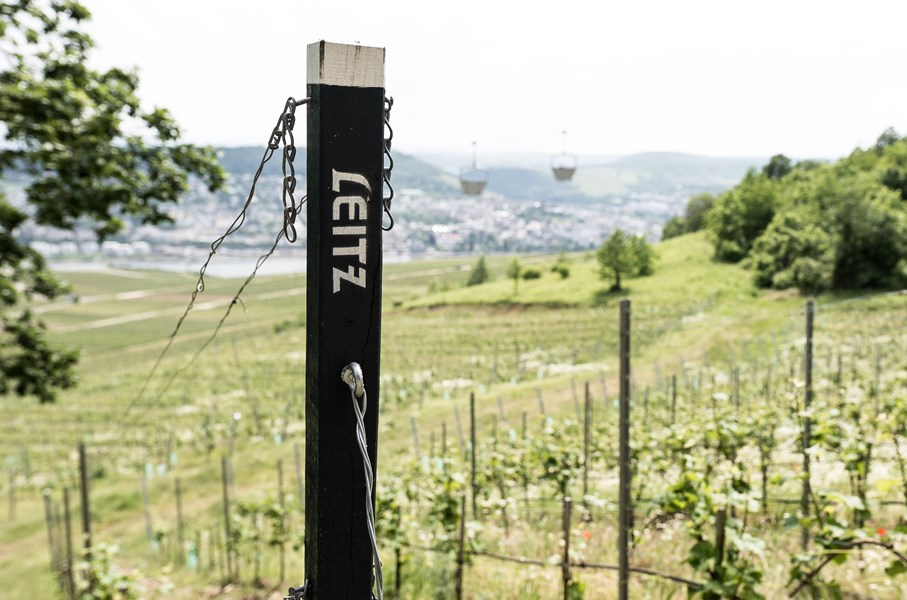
440,341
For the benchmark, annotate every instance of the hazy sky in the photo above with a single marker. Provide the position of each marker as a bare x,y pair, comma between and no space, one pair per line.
725,78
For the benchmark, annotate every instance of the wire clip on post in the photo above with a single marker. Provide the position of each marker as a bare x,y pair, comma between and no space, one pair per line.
297,593
352,376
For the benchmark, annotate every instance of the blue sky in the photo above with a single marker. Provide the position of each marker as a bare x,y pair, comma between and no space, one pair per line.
732,78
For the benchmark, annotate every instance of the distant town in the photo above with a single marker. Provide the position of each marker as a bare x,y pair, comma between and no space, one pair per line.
440,221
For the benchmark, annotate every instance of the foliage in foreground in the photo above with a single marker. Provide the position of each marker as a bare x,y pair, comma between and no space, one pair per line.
88,153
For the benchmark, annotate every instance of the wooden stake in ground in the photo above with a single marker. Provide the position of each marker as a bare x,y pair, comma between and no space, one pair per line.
146,508
415,428
587,438
472,452
345,181
461,543
70,577
281,534
180,533
86,509
807,421
12,493
460,439
228,544
51,542
565,563
624,507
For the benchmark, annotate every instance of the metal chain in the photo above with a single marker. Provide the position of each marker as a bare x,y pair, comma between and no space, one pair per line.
388,105
283,134
279,135
352,376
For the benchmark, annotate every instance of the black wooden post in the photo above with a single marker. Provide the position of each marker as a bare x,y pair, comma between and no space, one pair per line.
345,163
623,534
807,421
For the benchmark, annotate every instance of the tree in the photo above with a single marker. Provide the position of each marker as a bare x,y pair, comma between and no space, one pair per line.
514,270
697,208
561,266
840,226
792,252
479,273
778,166
675,227
624,255
887,138
90,155
892,167
870,225
643,254
740,215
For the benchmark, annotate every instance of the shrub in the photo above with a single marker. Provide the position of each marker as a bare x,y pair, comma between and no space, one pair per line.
532,274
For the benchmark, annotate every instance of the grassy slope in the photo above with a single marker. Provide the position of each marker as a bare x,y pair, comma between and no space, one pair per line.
690,306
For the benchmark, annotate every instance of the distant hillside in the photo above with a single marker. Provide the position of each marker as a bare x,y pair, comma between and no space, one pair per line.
651,172
409,172
666,170
528,176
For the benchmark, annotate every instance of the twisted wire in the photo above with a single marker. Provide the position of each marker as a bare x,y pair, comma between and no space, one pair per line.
369,481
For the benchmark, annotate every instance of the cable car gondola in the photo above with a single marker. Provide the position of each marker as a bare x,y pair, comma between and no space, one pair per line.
563,165
473,179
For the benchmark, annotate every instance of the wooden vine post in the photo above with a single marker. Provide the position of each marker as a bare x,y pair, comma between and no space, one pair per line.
345,168
624,506
807,421
86,508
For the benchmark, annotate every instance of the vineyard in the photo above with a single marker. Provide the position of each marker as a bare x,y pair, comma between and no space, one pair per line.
499,439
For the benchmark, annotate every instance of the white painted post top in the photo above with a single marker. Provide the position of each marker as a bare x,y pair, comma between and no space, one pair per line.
345,65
